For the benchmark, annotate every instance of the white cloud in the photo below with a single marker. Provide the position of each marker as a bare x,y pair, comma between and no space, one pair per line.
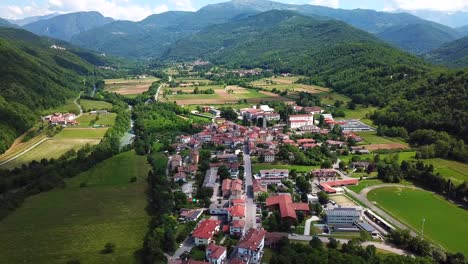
329,3
183,5
445,5
161,9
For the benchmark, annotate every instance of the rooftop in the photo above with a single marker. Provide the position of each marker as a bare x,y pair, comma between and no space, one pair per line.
252,239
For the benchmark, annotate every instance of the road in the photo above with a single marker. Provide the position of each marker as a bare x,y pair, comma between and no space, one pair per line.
250,208
78,105
379,245
362,196
24,151
187,246
159,89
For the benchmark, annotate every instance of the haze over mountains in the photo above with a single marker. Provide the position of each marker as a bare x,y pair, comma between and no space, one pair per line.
155,35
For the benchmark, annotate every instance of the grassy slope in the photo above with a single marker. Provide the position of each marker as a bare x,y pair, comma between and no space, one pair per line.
445,222
75,223
95,105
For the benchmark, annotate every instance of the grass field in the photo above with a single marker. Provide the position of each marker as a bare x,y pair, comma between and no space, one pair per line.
68,107
256,167
287,84
78,133
86,120
445,223
456,171
358,113
49,149
89,105
19,146
371,137
129,86
74,223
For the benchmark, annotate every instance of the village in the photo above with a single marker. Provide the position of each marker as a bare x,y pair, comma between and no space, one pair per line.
244,203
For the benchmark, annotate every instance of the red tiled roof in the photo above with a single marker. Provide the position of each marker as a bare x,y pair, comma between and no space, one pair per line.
206,228
216,251
306,140
286,206
237,211
328,186
252,239
237,201
238,223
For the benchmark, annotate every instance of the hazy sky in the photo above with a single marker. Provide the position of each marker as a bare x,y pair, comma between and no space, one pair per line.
139,9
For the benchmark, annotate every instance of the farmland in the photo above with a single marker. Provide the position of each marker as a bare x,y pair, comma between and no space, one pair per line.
129,86
74,223
78,133
230,94
287,84
88,120
89,105
445,222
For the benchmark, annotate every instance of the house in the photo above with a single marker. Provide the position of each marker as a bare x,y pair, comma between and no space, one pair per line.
312,198
360,165
251,245
300,121
303,141
176,161
335,143
313,110
236,212
237,228
205,230
342,215
61,119
272,117
258,187
180,177
273,176
189,214
287,208
232,188
216,254
269,156
205,109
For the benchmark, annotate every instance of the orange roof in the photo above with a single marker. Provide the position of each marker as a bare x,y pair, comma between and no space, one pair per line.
237,201
238,223
237,211
252,239
286,206
206,228
328,186
216,251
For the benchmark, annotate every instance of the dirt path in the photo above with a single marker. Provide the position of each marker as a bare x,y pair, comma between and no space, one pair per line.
23,152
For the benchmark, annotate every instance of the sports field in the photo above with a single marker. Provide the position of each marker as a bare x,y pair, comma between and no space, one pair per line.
75,223
445,222
129,86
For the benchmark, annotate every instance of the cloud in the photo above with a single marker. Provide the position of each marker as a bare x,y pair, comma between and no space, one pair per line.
183,5
329,3
445,5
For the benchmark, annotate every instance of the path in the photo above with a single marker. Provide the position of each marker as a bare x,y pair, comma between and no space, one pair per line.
78,105
156,95
379,245
24,151
308,223
362,196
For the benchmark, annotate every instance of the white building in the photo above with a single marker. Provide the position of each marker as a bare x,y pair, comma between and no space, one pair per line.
251,245
269,156
299,121
342,215
273,175
216,254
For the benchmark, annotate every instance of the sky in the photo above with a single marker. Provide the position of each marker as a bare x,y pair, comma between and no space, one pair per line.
138,9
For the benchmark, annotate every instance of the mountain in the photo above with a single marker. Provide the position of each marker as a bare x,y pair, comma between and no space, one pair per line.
5,23
453,54
451,19
67,25
27,20
36,77
152,36
419,38
463,30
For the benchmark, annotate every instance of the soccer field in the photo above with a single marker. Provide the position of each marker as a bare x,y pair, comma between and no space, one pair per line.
445,222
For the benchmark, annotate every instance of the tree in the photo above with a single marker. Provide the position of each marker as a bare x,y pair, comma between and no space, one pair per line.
317,208
333,243
322,197
108,248
223,173
316,243
228,113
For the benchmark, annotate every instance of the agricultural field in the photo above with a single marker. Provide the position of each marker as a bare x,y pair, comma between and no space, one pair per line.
230,94
129,86
89,105
74,223
19,146
456,171
445,223
359,113
200,81
88,120
256,167
287,84
374,142
78,133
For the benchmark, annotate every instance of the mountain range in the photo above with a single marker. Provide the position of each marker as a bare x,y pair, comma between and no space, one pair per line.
154,36
453,54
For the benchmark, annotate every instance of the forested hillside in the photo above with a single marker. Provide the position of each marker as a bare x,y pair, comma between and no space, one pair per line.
35,78
453,54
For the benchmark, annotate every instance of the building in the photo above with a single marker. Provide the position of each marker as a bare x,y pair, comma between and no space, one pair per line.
258,188
300,121
232,188
313,110
251,245
180,177
205,230
342,216
312,198
236,212
273,176
61,119
324,173
286,206
269,156
176,161
328,187
216,254
237,228
190,214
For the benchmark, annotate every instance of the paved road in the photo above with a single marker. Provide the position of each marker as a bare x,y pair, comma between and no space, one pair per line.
159,89
362,196
379,245
307,226
250,209
187,246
